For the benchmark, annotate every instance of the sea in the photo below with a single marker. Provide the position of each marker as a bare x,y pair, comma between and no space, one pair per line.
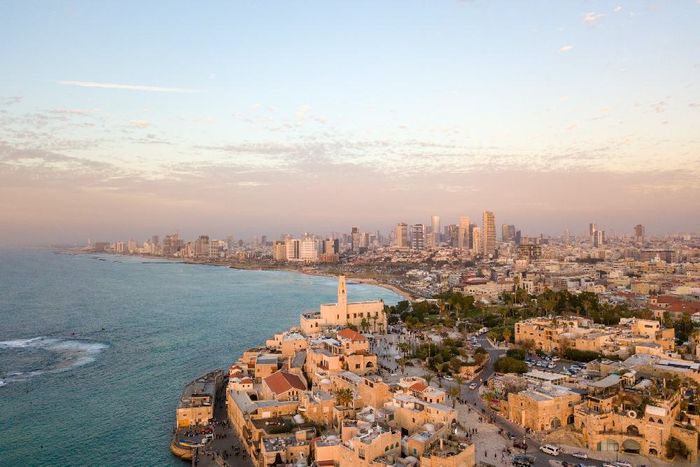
96,349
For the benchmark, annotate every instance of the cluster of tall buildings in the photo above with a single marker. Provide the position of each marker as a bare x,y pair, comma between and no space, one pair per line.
307,249
478,240
465,235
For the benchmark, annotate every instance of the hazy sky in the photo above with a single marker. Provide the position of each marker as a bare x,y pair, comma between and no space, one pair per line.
125,119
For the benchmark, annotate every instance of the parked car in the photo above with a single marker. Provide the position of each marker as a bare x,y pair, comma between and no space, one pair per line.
448,378
550,449
473,386
520,444
551,365
523,461
622,464
580,455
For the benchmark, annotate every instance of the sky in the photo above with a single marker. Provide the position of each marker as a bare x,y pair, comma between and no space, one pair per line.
125,119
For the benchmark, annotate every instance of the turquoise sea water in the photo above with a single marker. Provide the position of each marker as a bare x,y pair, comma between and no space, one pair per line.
94,351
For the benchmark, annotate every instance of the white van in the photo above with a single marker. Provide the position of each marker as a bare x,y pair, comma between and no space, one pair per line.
550,449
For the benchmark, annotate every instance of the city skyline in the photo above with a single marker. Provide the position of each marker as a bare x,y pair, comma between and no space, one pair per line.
132,119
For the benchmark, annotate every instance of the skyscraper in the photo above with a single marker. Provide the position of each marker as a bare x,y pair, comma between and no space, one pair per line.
507,232
463,233
418,236
592,229
308,248
435,224
331,246
401,234
279,251
476,240
599,238
489,233
201,246
292,246
355,239
639,232
451,236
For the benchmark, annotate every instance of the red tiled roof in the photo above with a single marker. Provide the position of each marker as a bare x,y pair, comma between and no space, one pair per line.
418,387
281,382
676,304
349,334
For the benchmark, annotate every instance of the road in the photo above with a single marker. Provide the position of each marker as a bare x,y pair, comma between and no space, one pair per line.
472,398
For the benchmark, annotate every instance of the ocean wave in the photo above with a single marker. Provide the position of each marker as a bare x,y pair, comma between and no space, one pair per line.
66,355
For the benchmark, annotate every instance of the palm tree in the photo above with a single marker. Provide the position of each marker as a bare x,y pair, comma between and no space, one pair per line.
343,397
404,348
459,380
440,368
428,377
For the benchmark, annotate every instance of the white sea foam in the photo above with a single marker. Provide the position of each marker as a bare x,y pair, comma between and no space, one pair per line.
72,353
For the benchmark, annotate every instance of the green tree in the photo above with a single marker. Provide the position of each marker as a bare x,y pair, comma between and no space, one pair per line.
510,365
684,328
364,325
440,369
518,354
674,447
581,355
343,397
405,348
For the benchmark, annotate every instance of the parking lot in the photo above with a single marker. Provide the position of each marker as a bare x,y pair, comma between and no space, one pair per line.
554,364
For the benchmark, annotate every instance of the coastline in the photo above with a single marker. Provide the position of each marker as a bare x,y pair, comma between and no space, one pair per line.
405,294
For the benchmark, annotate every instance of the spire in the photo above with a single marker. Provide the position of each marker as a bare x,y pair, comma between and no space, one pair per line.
342,294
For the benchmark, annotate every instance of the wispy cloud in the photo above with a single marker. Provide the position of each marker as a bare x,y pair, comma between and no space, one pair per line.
10,100
139,123
618,9
77,112
566,48
659,107
127,87
592,18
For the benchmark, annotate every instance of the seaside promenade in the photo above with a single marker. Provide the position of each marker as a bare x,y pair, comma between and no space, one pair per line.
225,449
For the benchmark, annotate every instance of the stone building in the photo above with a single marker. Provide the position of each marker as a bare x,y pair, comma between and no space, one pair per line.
622,413
547,407
369,314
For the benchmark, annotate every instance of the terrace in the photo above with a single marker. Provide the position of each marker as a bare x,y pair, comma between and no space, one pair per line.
445,448
280,443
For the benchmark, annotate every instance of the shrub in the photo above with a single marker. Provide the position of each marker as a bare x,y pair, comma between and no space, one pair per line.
510,365
518,354
581,355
